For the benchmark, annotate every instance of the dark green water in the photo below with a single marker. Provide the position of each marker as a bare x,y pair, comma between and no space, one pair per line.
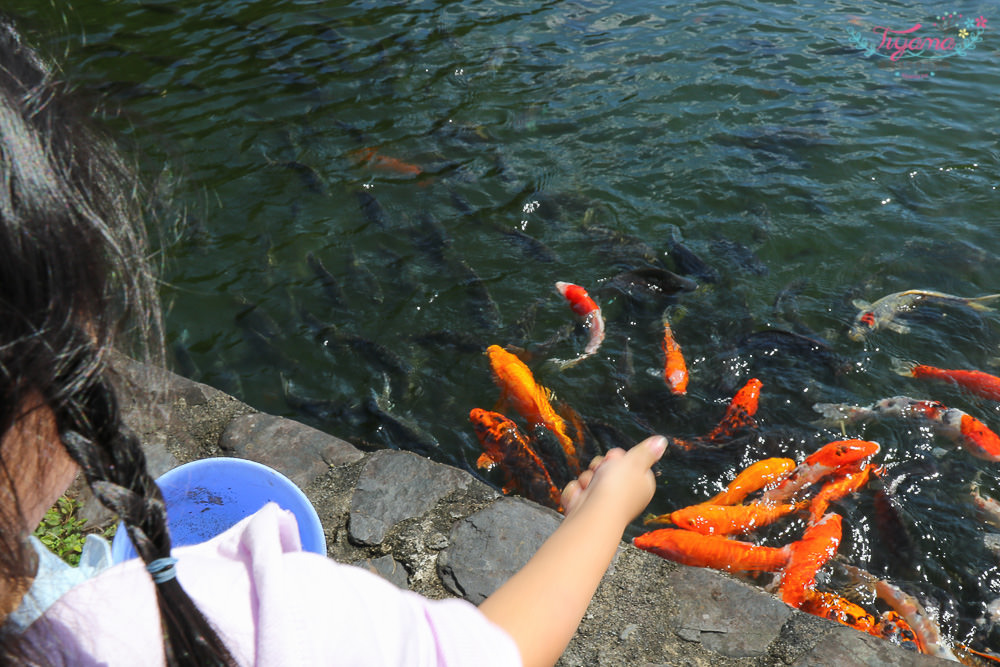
574,141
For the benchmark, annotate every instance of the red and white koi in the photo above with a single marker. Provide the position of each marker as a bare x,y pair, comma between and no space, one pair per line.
587,308
923,624
975,382
882,313
828,459
952,423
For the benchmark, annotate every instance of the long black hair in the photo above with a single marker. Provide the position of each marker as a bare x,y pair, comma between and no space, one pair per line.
74,284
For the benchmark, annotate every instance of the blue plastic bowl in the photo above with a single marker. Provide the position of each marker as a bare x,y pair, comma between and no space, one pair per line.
209,496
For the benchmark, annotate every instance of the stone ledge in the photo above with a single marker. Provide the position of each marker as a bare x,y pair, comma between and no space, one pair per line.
442,532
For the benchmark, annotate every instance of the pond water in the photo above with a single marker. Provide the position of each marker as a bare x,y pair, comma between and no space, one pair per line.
374,192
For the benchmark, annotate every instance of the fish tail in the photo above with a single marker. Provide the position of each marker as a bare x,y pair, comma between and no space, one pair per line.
977,302
903,367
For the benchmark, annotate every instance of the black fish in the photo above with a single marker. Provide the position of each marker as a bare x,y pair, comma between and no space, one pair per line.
480,304
772,341
331,286
651,280
362,280
459,341
399,431
374,353
371,209
690,264
740,255
309,177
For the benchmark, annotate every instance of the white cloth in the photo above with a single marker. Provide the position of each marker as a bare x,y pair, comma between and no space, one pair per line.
272,604
55,577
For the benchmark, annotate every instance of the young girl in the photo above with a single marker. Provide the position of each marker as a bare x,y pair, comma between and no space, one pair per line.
73,285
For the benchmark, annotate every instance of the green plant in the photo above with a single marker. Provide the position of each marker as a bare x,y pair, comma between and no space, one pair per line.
62,531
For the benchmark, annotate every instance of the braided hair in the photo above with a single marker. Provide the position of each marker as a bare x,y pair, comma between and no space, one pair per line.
73,280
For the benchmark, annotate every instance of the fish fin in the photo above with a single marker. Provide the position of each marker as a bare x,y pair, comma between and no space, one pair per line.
897,327
655,519
976,304
903,367
485,462
861,304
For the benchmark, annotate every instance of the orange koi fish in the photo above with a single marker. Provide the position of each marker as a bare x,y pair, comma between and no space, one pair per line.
975,382
843,485
840,609
507,448
372,158
824,461
928,634
530,399
726,519
738,415
675,372
715,551
587,308
951,423
753,478
970,656
818,545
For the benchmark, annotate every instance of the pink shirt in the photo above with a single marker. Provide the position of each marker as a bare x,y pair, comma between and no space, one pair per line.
272,604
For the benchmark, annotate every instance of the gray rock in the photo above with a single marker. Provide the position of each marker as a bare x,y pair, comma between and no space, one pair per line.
844,647
727,616
395,486
299,452
489,546
386,567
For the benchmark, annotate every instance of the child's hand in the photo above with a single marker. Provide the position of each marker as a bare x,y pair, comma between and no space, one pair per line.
619,480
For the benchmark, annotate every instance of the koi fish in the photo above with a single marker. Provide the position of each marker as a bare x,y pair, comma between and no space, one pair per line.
587,308
507,448
987,508
894,628
837,488
753,478
675,372
951,423
372,158
882,313
925,628
530,399
715,551
827,459
818,545
840,609
738,415
975,382
727,519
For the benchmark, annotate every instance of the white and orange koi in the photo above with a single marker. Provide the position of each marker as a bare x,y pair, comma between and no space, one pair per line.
828,459
952,423
882,313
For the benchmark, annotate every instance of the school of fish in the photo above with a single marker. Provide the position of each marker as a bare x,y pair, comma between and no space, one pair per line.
734,530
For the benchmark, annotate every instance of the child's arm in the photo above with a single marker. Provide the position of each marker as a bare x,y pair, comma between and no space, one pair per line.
543,603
